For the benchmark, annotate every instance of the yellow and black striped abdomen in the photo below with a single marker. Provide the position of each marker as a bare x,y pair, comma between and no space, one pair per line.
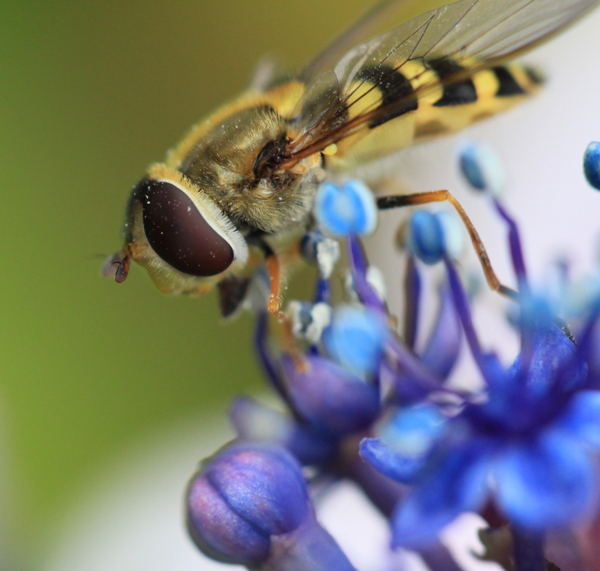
477,97
430,102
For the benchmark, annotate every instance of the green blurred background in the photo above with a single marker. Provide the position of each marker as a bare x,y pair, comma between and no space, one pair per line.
92,92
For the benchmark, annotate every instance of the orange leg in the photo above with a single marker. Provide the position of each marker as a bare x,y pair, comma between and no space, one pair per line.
274,269
400,200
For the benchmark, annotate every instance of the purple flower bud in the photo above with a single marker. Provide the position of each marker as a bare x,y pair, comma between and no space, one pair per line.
330,397
249,505
243,496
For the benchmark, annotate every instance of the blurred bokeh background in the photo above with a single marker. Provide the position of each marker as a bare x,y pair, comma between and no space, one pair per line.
91,93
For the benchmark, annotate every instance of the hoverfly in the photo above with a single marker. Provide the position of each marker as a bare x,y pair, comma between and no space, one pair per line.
245,177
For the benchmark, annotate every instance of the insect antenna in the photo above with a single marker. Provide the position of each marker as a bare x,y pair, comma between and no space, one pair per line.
117,266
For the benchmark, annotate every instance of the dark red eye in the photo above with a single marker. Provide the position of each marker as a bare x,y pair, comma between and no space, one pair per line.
178,232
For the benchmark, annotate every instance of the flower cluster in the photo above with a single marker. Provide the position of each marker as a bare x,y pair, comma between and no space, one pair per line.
368,398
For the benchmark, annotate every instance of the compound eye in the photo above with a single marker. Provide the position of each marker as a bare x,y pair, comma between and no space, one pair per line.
178,232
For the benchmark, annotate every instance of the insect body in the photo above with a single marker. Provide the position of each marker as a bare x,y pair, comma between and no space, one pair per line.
246,176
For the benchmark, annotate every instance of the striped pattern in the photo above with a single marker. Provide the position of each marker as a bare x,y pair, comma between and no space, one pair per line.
507,85
394,93
394,86
402,117
454,93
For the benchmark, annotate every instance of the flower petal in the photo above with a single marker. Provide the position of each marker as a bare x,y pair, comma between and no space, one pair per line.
255,422
330,397
545,483
385,459
457,485
412,430
582,417
443,346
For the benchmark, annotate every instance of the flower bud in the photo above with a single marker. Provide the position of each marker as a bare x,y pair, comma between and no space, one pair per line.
249,505
243,496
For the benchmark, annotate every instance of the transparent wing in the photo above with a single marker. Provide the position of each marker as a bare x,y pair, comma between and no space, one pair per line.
485,32
379,19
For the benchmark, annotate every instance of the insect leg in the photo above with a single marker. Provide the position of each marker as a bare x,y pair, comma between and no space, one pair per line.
273,269
401,200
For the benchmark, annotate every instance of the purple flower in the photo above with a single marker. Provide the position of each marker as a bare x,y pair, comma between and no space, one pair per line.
331,398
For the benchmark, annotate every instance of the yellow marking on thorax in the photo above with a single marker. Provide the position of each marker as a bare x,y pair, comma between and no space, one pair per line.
283,99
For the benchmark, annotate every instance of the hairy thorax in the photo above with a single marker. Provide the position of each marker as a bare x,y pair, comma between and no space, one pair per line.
236,164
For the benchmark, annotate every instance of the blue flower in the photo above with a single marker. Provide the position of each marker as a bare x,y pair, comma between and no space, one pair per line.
522,450
530,443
